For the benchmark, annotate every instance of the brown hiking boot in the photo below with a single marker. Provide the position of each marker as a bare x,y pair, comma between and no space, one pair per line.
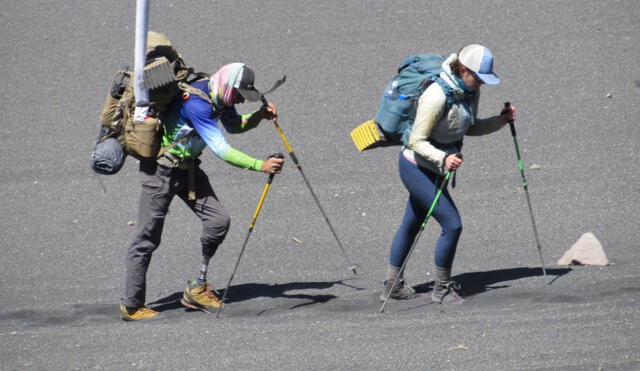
200,296
135,314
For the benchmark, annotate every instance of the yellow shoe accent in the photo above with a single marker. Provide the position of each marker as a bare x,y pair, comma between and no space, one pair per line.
200,296
135,314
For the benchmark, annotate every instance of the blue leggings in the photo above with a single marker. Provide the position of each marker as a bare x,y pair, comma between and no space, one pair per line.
422,187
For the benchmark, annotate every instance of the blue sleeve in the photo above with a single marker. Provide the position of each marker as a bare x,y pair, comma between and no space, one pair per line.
235,123
200,114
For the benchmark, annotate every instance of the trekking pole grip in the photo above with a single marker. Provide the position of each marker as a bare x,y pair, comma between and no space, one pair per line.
507,105
275,155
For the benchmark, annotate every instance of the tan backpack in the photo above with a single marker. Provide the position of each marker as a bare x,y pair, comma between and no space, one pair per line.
167,77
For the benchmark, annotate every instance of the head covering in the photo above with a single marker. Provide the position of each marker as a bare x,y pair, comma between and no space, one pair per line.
221,84
244,85
233,76
479,59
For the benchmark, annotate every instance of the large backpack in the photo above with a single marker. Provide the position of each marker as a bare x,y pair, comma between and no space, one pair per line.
399,102
167,77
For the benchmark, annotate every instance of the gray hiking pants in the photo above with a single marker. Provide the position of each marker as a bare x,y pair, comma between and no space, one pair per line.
159,185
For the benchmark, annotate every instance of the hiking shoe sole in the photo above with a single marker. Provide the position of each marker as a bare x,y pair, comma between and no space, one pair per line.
191,306
185,303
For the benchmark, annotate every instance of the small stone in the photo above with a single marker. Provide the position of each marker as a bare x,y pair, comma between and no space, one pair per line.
536,167
458,347
131,223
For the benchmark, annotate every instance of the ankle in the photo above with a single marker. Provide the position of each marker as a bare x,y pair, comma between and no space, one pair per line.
443,276
392,273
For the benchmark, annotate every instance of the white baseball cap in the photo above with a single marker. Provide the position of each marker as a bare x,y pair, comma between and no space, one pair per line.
479,59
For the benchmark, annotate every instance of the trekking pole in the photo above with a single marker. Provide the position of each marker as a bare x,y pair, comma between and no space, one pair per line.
352,267
253,222
415,241
507,105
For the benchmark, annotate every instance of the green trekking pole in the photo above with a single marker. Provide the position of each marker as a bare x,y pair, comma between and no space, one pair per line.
507,105
415,241
253,222
352,267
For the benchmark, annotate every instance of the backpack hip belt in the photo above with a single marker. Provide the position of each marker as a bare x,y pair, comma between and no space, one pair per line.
172,161
190,164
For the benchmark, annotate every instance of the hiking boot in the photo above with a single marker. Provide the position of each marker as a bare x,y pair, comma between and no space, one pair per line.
200,296
447,293
401,292
135,314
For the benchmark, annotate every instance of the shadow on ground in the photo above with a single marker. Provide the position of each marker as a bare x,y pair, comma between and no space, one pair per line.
249,291
474,283
76,315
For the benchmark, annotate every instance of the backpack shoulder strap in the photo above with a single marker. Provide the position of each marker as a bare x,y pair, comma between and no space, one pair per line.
448,90
191,90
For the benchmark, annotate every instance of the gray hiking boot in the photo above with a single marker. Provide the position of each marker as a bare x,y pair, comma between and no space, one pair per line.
447,293
401,292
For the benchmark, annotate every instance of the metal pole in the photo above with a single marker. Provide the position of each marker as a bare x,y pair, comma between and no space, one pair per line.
526,190
244,245
352,267
141,93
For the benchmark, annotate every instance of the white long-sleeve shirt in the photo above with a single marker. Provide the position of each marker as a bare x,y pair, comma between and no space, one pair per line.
435,123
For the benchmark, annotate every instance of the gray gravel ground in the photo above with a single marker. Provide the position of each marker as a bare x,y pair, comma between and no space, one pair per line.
571,69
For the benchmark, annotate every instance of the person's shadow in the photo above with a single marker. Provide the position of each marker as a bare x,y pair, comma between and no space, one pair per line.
474,283
248,291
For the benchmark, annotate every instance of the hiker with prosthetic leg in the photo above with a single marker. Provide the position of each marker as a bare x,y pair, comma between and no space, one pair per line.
444,115
198,117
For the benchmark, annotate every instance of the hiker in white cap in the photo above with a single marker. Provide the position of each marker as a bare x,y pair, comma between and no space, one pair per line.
442,120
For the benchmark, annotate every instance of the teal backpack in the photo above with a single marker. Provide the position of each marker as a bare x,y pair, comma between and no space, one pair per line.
399,102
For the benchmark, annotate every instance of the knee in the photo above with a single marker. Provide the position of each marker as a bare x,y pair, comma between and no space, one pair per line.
454,227
142,247
209,250
215,229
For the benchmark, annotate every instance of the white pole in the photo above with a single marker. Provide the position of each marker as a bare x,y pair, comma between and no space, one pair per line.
142,94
